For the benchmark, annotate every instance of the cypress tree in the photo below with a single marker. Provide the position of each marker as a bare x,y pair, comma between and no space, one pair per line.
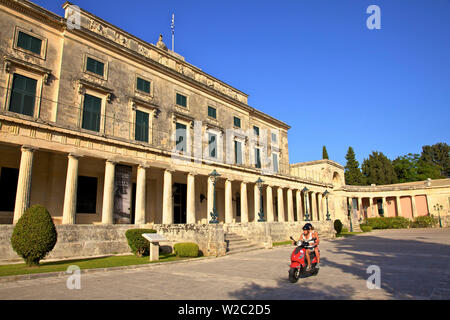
324,153
353,175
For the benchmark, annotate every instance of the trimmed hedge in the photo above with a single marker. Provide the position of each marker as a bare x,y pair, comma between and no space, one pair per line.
344,230
338,226
186,249
365,227
138,244
388,222
424,222
34,235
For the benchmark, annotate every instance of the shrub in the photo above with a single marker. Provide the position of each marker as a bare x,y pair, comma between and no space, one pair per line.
344,230
388,222
338,226
424,222
34,235
365,227
138,244
186,249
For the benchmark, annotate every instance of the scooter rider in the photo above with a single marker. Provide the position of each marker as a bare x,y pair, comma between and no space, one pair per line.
312,237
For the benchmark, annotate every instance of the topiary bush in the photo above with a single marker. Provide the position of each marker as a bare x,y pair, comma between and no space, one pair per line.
365,227
138,244
338,226
34,235
424,222
344,230
186,249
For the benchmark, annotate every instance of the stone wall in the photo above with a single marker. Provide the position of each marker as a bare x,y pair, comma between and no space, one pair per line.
94,240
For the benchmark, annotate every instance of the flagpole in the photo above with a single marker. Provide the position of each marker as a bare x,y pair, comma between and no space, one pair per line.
173,32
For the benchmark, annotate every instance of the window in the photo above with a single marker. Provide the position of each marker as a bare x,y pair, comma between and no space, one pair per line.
8,187
212,143
86,195
95,66
274,137
237,122
30,43
212,112
257,158
91,113
23,95
141,131
275,162
237,152
181,137
181,100
143,85
256,130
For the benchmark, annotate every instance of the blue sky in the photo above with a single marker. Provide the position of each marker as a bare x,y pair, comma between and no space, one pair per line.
315,65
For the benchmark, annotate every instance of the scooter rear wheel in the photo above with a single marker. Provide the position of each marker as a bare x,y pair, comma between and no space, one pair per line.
293,275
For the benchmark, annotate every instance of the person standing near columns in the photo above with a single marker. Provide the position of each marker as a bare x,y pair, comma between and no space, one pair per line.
23,192
244,204
228,201
108,193
139,217
290,205
190,199
70,194
167,217
269,204
280,204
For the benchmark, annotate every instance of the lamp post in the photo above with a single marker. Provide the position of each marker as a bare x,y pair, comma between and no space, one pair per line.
325,194
214,175
350,216
438,207
305,192
259,183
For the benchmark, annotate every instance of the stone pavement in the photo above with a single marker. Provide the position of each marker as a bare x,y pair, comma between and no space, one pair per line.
414,264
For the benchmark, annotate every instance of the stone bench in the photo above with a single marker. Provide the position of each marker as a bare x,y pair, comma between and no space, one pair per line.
154,240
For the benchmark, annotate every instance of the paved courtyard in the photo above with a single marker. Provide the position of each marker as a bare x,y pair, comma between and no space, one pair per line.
414,264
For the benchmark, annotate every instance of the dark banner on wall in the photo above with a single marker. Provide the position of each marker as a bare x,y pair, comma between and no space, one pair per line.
122,195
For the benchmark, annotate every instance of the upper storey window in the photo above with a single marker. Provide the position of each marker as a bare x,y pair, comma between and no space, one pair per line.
23,95
30,43
143,85
95,66
256,130
212,112
237,122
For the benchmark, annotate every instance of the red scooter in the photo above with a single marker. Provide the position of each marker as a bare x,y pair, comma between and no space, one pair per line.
299,263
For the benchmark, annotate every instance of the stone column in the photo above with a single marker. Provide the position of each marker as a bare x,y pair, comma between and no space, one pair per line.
269,204
23,192
313,206
371,207
139,216
399,206
298,201
70,195
244,204
257,201
360,208
320,208
413,205
210,197
290,206
280,204
167,214
190,199
228,202
384,206
108,193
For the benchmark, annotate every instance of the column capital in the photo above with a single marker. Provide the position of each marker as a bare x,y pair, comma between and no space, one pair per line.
74,155
111,161
143,166
26,147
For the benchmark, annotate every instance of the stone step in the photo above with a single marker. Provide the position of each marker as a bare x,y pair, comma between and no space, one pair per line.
245,249
241,245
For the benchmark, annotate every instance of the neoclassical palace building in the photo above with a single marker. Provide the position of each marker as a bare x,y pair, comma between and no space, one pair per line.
108,131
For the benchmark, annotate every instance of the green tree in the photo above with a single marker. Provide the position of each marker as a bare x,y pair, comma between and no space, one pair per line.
353,175
405,167
438,154
324,153
378,169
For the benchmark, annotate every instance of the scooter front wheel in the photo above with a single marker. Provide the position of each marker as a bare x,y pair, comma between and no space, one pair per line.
293,275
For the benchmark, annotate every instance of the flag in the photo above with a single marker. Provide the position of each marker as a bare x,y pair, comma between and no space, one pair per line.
172,26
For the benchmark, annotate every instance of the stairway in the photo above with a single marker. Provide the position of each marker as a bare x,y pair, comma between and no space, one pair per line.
237,243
